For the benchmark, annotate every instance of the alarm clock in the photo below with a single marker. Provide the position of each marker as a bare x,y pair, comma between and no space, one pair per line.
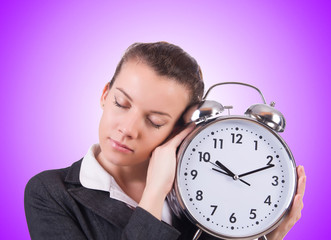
235,177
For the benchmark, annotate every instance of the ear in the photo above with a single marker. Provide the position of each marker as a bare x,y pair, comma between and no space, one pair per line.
104,95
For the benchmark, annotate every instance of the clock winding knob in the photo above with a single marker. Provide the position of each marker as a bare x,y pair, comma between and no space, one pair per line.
267,115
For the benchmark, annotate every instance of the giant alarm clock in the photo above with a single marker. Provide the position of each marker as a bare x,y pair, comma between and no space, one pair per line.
236,177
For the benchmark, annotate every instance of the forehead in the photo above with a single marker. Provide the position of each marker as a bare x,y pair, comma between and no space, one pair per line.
150,90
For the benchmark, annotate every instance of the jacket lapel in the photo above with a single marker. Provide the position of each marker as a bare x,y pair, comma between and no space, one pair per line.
99,202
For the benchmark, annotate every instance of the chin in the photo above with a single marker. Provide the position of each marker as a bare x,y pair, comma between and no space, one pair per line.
122,160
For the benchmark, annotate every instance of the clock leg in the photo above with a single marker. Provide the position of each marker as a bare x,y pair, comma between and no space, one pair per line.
263,238
197,234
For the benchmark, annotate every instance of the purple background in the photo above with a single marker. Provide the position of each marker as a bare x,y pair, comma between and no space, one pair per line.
56,57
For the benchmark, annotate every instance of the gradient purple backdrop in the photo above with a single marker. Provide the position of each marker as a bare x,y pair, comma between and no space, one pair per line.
56,57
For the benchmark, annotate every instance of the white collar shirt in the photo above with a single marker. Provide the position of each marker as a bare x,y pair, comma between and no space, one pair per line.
93,176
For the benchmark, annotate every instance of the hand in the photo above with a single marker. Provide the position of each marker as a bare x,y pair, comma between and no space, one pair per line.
295,213
161,174
256,170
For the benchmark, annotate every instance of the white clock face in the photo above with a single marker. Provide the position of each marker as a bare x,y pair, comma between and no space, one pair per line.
236,178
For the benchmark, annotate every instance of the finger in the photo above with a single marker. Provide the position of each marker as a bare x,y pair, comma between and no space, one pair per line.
301,180
293,216
295,213
301,171
176,140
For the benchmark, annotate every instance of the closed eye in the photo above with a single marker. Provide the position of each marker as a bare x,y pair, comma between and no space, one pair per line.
116,103
157,126
149,121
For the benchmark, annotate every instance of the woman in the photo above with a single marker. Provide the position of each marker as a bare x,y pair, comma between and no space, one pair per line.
118,190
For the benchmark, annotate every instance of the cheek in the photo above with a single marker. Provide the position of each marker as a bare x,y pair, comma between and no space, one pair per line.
102,127
148,146
156,139
106,123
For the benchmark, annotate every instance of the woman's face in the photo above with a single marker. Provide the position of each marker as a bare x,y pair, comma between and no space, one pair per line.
139,112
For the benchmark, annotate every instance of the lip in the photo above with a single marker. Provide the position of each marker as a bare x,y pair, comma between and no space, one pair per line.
120,147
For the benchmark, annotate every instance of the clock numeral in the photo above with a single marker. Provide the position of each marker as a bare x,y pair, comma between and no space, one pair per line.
270,158
199,196
194,174
236,138
214,209
253,214
268,200
275,183
255,141
232,218
204,156
220,143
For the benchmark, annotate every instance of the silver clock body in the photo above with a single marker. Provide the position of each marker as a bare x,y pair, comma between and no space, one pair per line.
248,204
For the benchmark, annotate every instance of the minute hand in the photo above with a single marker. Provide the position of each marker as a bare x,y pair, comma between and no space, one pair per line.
256,170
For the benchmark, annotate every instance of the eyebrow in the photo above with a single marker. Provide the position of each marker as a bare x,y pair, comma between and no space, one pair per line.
127,95
155,112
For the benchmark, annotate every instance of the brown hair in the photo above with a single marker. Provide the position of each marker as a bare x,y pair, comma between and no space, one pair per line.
167,60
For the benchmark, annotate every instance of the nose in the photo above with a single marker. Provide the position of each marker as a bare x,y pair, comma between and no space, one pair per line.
129,126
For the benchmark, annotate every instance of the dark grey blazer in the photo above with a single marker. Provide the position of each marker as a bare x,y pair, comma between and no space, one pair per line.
57,206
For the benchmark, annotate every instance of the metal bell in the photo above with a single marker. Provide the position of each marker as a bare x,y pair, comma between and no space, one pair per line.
267,115
207,110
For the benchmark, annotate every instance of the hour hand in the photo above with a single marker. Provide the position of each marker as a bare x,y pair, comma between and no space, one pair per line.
225,169
225,173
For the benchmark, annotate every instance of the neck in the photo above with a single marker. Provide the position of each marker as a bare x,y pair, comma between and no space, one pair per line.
131,178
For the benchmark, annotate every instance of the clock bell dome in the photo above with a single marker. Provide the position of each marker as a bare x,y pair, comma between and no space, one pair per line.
267,115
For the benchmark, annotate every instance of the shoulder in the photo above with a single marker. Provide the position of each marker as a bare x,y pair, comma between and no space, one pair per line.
51,182
48,178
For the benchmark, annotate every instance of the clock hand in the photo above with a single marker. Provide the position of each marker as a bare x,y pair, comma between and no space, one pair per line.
226,170
217,170
244,182
231,174
256,170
